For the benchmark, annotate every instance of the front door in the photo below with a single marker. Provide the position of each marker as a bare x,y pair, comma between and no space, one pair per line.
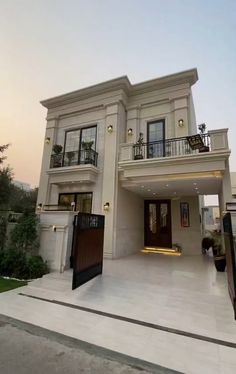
157,223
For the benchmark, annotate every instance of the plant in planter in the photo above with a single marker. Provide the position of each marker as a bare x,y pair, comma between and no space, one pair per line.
177,247
214,241
70,156
219,255
138,148
57,149
88,152
57,155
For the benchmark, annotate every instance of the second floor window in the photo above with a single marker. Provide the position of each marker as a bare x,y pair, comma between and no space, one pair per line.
77,144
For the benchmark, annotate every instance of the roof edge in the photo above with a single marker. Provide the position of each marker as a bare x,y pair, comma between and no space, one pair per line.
187,76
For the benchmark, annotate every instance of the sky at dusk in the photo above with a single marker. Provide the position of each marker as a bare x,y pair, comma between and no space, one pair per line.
50,47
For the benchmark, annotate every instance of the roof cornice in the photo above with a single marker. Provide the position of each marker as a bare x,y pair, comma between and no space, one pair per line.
123,83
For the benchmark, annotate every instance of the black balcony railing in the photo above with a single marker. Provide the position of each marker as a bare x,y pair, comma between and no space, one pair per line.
169,148
84,156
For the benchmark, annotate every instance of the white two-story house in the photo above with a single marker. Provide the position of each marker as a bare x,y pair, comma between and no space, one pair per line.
125,153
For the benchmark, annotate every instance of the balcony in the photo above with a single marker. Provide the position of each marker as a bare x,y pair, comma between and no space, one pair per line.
72,158
73,167
170,148
174,158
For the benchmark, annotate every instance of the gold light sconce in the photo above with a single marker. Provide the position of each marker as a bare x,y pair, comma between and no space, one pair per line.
106,207
181,122
110,129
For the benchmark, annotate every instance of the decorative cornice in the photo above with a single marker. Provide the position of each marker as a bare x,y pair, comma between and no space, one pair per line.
122,83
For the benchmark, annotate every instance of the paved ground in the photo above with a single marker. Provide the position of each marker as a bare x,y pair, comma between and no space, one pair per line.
150,307
28,349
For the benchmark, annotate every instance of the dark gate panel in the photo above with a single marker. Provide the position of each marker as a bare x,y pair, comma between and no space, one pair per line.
230,258
87,251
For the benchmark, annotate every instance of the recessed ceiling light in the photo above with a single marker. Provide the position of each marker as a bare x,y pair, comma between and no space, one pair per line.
154,193
175,193
196,188
149,190
195,184
167,185
142,186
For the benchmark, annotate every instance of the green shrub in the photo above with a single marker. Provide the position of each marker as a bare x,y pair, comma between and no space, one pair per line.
17,264
24,235
3,231
37,267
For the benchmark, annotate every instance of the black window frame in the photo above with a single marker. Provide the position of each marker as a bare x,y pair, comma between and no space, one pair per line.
77,193
80,129
160,120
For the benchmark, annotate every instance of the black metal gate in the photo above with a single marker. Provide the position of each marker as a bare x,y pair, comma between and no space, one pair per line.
87,247
230,258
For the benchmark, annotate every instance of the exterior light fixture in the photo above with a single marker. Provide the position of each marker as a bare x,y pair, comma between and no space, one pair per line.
72,205
130,131
39,206
110,129
47,140
181,122
106,207
54,229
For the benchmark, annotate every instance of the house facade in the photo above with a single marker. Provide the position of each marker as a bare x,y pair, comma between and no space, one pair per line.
126,153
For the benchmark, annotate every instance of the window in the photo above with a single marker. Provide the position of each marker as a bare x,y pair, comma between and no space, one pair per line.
74,145
82,200
156,136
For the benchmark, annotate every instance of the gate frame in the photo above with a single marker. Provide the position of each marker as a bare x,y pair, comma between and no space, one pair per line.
83,222
230,258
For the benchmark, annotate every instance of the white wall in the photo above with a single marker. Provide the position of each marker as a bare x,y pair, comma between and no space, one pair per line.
129,229
188,237
233,183
55,246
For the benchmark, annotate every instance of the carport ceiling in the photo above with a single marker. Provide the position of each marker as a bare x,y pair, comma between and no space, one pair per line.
175,188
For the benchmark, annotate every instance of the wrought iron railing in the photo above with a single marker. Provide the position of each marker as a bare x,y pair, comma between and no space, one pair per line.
84,156
55,207
169,148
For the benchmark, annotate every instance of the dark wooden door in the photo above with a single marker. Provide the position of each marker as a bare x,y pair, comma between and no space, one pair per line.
87,248
157,223
230,248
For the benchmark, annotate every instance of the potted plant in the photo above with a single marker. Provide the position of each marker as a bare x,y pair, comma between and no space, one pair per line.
177,247
214,241
70,155
57,155
88,152
219,255
138,148
57,149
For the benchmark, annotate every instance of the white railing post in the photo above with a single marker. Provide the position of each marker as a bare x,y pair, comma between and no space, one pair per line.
219,139
126,152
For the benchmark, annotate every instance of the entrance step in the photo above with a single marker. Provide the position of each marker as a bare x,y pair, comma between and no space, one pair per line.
164,251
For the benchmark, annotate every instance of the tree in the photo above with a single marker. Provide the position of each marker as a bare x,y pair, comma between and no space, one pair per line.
2,149
24,235
22,201
5,186
5,180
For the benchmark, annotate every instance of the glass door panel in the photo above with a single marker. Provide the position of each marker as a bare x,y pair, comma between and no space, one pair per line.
156,137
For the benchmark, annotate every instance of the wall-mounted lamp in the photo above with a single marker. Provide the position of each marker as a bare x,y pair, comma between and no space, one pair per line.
54,229
181,122
47,140
106,207
130,131
110,129
72,205
39,206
